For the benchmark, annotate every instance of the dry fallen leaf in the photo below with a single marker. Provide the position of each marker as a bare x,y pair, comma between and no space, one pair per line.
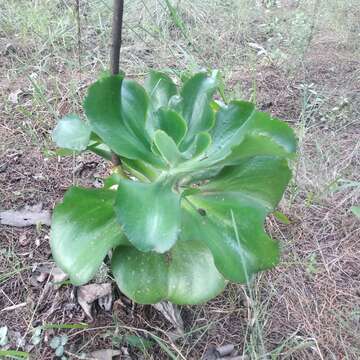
223,352
14,96
30,215
106,354
172,313
3,336
23,240
20,340
87,294
40,274
41,277
58,275
105,302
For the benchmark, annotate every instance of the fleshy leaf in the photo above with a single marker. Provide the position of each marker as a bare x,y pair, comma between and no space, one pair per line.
134,106
175,103
149,214
72,133
84,228
263,178
117,111
229,216
200,144
167,148
196,110
184,275
264,136
114,179
140,169
242,132
160,89
228,121
171,122
100,149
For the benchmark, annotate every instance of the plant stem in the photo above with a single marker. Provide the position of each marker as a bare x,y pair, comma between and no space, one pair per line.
115,159
116,35
77,10
118,11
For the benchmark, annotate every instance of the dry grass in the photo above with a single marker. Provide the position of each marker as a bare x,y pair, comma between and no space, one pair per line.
298,62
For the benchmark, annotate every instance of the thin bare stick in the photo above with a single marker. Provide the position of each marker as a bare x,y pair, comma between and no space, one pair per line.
116,35
77,10
13,307
118,12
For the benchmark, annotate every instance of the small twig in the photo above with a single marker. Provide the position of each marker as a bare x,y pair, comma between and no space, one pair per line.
115,51
13,307
77,9
74,356
116,35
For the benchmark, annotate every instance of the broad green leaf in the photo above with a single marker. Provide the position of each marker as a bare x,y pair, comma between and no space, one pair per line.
242,132
113,180
134,106
264,125
117,110
140,170
175,103
72,133
211,222
228,121
228,216
264,135
263,178
149,214
196,110
160,88
167,148
84,229
171,122
200,144
100,149
256,145
95,138
184,275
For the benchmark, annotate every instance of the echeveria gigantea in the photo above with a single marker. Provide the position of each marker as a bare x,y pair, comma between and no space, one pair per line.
185,210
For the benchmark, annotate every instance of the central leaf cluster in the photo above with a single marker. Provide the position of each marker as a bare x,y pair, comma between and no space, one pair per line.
186,208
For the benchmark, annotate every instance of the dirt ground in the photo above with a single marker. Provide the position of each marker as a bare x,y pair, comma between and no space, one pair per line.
297,60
